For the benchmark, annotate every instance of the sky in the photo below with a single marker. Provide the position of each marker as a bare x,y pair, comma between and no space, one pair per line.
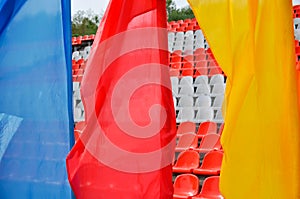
99,6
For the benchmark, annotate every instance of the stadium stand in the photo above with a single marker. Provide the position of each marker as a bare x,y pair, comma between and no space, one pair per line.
198,87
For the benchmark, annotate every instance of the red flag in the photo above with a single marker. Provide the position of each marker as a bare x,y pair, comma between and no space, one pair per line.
127,146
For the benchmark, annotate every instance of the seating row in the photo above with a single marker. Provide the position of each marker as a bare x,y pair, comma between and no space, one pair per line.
196,90
198,102
78,40
189,162
187,186
202,79
189,141
206,127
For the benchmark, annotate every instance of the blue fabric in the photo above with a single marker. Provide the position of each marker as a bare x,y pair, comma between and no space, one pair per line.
36,97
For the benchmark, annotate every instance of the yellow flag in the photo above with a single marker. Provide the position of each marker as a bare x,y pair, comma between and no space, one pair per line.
253,42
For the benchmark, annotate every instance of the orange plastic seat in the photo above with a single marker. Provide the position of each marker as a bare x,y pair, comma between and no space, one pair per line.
185,186
187,65
187,72
215,70
208,143
174,72
207,128
201,64
80,125
199,51
175,58
211,164
188,58
186,162
186,127
210,189
187,141
176,65
200,57
201,71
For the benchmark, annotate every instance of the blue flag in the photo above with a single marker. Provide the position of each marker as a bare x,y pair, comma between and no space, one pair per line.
36,125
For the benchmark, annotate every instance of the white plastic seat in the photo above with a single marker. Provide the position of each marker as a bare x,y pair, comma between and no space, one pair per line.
186,114
175,102
219,116
186,101
217,79
174,83
218,101
296,23
218,89
203,101
186,90
203,89
204,114
297,34
186,80
202,79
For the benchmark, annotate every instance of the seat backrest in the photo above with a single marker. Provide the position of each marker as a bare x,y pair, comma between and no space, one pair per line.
186,127
218,89
202,79
189,159
217,79
209,141
188,140
218,101
186,90
186,184
186,101
211,186
207,127
203,89
186,114
204,113
212,160
203,101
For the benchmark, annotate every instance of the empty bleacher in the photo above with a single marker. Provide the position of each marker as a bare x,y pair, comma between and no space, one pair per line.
198,87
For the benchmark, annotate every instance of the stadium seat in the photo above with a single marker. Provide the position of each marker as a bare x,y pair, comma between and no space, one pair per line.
219,116
187,72
211,164
218,89
186,90
186,101
214,71
186,127
187,141
202,79
208,143
186,162
203,89
185,186
218,101
217,79
210,189
174,83
186,114
204,114
201,64
203,101
186,80
175,65
206,127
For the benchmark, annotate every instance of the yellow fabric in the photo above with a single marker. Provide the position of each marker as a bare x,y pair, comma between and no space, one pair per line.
253,42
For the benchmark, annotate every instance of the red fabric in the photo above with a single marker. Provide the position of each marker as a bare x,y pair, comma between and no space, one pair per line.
127,146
